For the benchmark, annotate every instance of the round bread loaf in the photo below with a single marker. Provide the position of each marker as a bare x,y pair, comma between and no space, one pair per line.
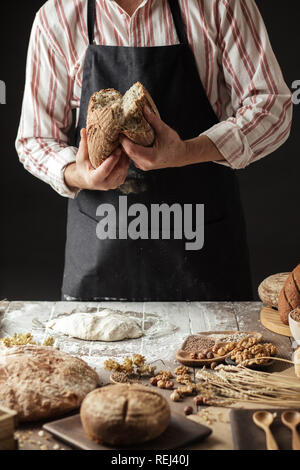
289,298
270,288
41,382
124,414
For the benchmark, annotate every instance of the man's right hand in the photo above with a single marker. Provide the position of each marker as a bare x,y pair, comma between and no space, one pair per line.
110,175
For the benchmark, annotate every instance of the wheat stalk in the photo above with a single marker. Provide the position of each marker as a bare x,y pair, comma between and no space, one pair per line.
229,384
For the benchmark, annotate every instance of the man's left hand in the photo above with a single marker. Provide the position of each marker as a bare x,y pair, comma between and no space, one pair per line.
168,150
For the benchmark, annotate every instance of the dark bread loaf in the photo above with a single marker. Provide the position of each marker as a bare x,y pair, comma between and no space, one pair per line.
289,298
111,114
124,414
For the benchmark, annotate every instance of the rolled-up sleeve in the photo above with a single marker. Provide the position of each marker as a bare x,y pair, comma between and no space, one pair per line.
42,142
260,98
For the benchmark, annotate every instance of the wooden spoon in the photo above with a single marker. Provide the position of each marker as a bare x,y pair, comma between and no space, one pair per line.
291,419
264,419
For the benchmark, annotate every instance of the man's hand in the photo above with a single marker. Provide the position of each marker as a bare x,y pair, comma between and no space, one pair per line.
169,150
110,175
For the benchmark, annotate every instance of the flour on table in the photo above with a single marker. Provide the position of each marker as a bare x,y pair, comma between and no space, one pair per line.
106,325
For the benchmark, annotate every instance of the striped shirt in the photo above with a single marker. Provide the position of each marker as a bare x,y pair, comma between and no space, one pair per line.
235,60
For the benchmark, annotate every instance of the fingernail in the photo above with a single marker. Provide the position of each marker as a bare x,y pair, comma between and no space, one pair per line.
148,109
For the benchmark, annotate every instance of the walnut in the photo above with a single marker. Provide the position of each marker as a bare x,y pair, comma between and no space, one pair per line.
164,374
187,390
230,346
247,342
181,370
184,379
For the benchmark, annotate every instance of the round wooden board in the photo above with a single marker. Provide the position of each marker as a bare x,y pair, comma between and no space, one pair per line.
270,319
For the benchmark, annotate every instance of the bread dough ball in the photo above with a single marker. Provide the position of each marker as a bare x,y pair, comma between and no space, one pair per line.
107,325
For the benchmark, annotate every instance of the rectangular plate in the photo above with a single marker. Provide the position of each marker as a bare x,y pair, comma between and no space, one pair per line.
247,436
180,433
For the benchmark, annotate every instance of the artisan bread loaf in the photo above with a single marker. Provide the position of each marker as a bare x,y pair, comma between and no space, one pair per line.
124,414
111,114
270,288
41,382
289,298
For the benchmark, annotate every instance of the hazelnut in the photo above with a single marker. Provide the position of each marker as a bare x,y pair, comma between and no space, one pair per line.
222,352
201,356
153,381
194,356
198,400
213,365
161,384
188,410
209,355
215,349
169,385
175,396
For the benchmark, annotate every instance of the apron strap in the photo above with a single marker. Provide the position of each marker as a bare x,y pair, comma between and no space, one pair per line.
178,21
91,20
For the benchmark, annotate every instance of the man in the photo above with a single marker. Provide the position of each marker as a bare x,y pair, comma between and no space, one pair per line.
210,68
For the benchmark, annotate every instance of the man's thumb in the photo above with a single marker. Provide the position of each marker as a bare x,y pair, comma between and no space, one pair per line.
155,121
83,153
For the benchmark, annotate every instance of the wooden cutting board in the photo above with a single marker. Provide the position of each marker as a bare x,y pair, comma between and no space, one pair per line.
180,433
247,436
270,319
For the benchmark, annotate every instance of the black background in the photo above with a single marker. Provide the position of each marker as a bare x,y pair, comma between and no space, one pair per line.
33,216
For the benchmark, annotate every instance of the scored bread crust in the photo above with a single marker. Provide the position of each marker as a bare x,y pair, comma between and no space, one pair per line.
124,414
40,382
289,298
102,130
105,124
270,288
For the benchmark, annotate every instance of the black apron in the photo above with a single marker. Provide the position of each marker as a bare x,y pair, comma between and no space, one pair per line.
158,269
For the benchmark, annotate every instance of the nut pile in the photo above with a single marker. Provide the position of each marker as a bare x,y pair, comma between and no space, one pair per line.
201,347
163,380
253,353
243,347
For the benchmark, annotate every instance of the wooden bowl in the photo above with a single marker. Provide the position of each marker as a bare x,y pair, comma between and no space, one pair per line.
184,357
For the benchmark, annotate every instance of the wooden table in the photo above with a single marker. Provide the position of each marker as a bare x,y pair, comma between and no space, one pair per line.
174,321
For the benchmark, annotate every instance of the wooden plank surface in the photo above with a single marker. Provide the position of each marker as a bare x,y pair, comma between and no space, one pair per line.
170,323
